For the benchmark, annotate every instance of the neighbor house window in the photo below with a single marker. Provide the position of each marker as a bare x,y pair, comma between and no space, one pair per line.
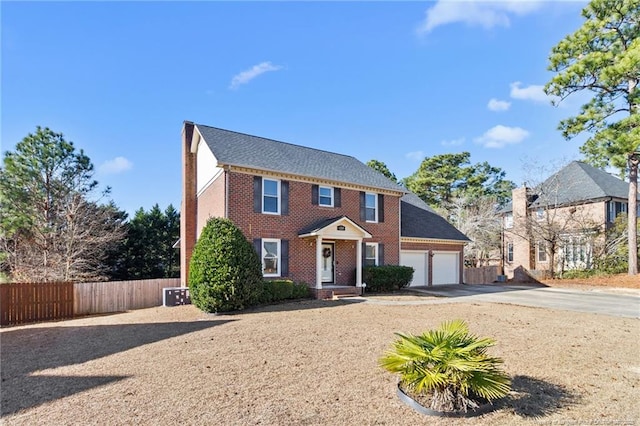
325,196
371,207
270,196
542,252
508,221
371,254
270,257
540,213
509,252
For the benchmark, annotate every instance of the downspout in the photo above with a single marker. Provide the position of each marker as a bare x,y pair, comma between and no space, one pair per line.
227,169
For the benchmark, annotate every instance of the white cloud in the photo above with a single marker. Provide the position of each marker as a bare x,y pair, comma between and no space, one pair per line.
246,76
498,105
453,142
532,92
115,166
500,136
475,13
415,155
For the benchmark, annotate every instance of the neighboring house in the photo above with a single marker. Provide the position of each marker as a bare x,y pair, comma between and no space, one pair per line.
561,222
312,215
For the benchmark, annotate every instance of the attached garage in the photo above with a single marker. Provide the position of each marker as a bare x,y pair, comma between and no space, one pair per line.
445,268
419,261
429,244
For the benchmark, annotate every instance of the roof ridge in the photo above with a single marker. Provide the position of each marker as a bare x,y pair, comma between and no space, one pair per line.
278,141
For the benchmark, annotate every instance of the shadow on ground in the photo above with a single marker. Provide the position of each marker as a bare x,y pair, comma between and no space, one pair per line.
531,397
27,351
462,290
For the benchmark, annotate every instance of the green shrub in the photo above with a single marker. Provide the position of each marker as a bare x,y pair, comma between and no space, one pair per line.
225,272
386,278
277,290
449,365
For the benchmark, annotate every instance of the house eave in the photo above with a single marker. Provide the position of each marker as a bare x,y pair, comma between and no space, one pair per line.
432,240
310,179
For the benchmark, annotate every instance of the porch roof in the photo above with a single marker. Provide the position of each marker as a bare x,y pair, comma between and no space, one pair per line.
331,228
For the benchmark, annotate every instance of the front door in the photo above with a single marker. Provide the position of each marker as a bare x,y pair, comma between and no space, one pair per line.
328,257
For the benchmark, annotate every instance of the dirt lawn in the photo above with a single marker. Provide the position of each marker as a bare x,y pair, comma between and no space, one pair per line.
307,363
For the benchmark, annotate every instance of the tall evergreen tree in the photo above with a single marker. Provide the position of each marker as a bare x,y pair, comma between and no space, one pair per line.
147,251
603,57
441,178
50,229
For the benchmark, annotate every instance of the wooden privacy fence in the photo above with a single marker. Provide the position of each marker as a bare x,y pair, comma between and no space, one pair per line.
22,303
482,275
118,296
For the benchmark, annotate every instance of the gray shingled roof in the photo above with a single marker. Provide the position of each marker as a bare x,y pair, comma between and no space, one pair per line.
418,220
238,149
577,182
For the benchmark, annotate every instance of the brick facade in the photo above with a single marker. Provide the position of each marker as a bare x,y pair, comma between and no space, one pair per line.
302,214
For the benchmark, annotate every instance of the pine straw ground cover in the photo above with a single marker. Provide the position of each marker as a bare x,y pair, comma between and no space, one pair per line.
307,363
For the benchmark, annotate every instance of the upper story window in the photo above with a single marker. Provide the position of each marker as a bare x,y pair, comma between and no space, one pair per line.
508,220
371,207
270,196
614,208
509,252
325,196
539,213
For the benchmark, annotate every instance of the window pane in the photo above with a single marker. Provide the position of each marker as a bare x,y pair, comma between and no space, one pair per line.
270,204
270,187
270,257
371,201
370,252
371,215
325,192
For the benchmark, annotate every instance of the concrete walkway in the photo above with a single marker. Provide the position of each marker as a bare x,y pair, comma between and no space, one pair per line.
613,303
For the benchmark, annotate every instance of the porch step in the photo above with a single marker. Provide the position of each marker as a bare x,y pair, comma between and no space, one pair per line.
342,292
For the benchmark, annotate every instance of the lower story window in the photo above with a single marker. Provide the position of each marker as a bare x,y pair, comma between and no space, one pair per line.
371,254
270,257
542,252
509,252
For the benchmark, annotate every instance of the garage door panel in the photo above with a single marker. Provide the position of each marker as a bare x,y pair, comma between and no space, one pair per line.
418,261
445,268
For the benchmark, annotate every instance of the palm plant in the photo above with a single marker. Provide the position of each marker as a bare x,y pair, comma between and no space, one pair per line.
449,365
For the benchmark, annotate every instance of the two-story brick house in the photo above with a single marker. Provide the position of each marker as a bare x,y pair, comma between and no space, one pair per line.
312,215
573,206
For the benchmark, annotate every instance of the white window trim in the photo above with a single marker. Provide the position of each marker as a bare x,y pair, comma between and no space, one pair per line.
541,248
278,195
279,254
375,206
330,188
377,260
510,252
508,221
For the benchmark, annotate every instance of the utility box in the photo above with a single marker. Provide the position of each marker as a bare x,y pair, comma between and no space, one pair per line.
175,296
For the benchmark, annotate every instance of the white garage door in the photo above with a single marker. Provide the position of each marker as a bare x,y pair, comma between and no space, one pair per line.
445,268
418,261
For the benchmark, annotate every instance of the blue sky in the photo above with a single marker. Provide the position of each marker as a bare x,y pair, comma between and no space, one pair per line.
377,80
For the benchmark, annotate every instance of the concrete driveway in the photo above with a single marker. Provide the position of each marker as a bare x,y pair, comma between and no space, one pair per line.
606,302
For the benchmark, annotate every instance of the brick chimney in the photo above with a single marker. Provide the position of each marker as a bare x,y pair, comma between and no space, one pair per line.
522,244
188,208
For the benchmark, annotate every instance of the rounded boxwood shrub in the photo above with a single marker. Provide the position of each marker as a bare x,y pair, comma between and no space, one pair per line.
225,272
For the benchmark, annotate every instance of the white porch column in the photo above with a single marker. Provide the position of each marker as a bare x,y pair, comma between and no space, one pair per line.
359,262
319,262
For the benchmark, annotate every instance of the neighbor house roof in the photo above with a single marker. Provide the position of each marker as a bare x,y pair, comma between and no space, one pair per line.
577,182
242,150
418,220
